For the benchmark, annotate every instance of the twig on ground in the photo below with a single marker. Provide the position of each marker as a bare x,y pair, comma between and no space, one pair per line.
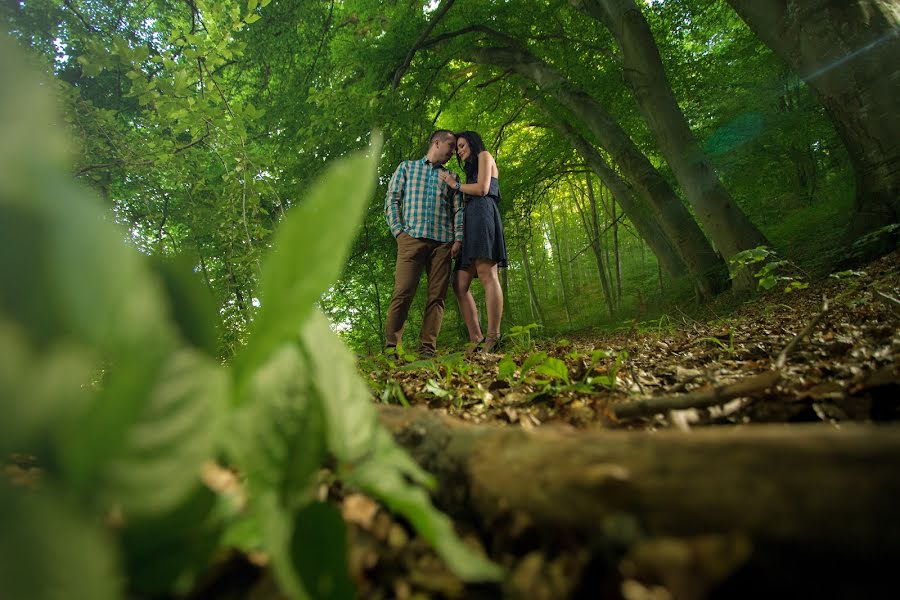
782,356
891,301
698,399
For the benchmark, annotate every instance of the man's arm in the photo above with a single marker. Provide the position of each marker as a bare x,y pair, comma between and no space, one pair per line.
393,201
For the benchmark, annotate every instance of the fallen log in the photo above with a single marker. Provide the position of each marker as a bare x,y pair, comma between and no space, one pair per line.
802,499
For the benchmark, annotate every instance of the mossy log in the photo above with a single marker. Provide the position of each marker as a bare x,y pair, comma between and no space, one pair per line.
803,500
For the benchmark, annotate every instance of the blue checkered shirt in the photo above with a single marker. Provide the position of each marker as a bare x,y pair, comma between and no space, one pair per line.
422,205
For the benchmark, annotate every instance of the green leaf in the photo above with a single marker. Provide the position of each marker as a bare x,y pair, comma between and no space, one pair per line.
368,455
554,368
377,477
251,5
506,368
49,551
252,19
166,553
42,391
435,388
533,360
142,442
310,249
277,435
319,552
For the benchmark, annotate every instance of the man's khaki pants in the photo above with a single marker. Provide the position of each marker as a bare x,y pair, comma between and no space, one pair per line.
413,256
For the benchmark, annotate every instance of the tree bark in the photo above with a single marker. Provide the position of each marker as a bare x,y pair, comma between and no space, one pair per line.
730,229
806,501
529,282
593,230
848,52
559,264
706,267
638,213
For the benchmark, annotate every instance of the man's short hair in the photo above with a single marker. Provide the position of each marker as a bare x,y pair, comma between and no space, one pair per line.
440,134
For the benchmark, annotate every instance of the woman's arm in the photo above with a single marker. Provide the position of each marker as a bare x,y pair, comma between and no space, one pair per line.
480,188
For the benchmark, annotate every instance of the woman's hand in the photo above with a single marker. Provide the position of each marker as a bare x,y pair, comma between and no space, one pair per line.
448,178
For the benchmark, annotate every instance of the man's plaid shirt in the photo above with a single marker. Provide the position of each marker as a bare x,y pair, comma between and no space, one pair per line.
422,205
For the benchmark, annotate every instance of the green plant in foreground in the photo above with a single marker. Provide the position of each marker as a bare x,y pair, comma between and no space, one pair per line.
772,269
520,337
81,307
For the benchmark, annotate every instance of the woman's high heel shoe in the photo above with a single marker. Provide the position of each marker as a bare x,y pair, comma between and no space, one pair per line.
492,343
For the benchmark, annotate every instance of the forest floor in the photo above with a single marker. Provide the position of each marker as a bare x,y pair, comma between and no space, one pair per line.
834,348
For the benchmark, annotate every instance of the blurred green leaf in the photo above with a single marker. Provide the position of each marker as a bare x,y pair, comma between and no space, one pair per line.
50,552
310,249
142,443
319,552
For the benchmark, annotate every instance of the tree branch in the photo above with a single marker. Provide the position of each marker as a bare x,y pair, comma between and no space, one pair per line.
438,15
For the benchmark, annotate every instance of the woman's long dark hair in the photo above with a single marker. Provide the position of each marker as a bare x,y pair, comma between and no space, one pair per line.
476,147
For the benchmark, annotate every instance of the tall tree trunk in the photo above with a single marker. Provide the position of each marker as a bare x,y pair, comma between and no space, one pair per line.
559,264
638,213
848,52
529,282
593,229
616,255
730,229
705,266
377,293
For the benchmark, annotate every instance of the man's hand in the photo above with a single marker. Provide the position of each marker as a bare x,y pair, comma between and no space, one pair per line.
455,248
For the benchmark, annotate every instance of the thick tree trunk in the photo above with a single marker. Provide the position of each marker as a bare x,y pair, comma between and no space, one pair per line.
848,52
638,213
730,229
810,502
705,266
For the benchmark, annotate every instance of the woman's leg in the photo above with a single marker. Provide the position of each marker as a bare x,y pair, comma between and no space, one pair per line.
493,294
462,280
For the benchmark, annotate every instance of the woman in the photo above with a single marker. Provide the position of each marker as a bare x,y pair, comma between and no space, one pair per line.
483,248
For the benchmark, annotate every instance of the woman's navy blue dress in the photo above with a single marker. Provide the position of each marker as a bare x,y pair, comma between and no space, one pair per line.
482,229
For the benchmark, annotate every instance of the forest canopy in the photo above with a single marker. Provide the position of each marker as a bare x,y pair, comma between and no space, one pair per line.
643,145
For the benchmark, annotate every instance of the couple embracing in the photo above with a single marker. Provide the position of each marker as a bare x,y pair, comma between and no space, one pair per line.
436,219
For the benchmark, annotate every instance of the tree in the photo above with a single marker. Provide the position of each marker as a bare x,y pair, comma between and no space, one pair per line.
707,269
848,52
642,68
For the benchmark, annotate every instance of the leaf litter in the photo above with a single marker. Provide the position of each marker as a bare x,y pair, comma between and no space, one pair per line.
846,367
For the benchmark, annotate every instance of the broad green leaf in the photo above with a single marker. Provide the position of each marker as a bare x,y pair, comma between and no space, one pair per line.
368,456
319,552
277,434
533,360
277,526
506,368
252,19
251,5
142,443
42,391
164,554
48,551
555,368
310,249
435,388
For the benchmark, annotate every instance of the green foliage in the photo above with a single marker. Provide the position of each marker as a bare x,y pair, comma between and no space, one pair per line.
521,338
772,271
122,406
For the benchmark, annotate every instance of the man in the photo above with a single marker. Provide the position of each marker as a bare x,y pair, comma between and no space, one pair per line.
426,217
